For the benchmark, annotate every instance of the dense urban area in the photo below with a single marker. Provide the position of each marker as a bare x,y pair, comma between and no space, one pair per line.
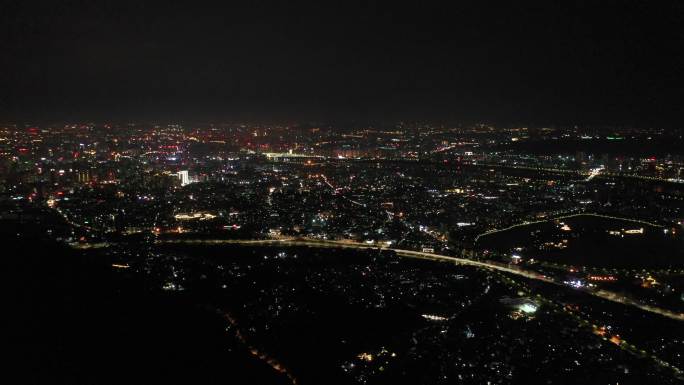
399,253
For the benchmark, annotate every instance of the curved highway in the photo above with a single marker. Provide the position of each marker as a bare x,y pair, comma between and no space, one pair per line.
603,294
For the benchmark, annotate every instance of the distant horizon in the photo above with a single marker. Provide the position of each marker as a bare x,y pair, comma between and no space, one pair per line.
594,63
341,123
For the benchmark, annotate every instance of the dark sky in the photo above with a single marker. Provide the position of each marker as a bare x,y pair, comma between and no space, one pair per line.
509,62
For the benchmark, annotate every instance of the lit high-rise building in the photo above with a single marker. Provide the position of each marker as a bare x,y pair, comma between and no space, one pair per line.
184,177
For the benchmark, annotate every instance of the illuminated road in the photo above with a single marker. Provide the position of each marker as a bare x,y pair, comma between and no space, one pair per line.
72,223
603,294
594,173
270,361
602,175
325,180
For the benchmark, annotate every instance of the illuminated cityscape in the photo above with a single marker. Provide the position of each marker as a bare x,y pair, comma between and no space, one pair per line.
176,207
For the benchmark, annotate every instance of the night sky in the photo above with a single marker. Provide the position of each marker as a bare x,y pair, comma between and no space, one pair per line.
512,62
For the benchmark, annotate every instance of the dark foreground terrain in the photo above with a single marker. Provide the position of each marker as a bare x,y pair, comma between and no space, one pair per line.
72,321
250,315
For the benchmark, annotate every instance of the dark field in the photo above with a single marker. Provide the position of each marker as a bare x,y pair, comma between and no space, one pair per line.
590,244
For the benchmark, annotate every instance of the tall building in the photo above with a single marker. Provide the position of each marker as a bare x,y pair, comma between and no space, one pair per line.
84,176
184,178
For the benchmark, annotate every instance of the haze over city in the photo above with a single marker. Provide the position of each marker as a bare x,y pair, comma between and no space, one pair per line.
540,62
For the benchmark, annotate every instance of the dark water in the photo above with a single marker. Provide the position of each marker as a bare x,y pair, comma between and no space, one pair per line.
590,244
